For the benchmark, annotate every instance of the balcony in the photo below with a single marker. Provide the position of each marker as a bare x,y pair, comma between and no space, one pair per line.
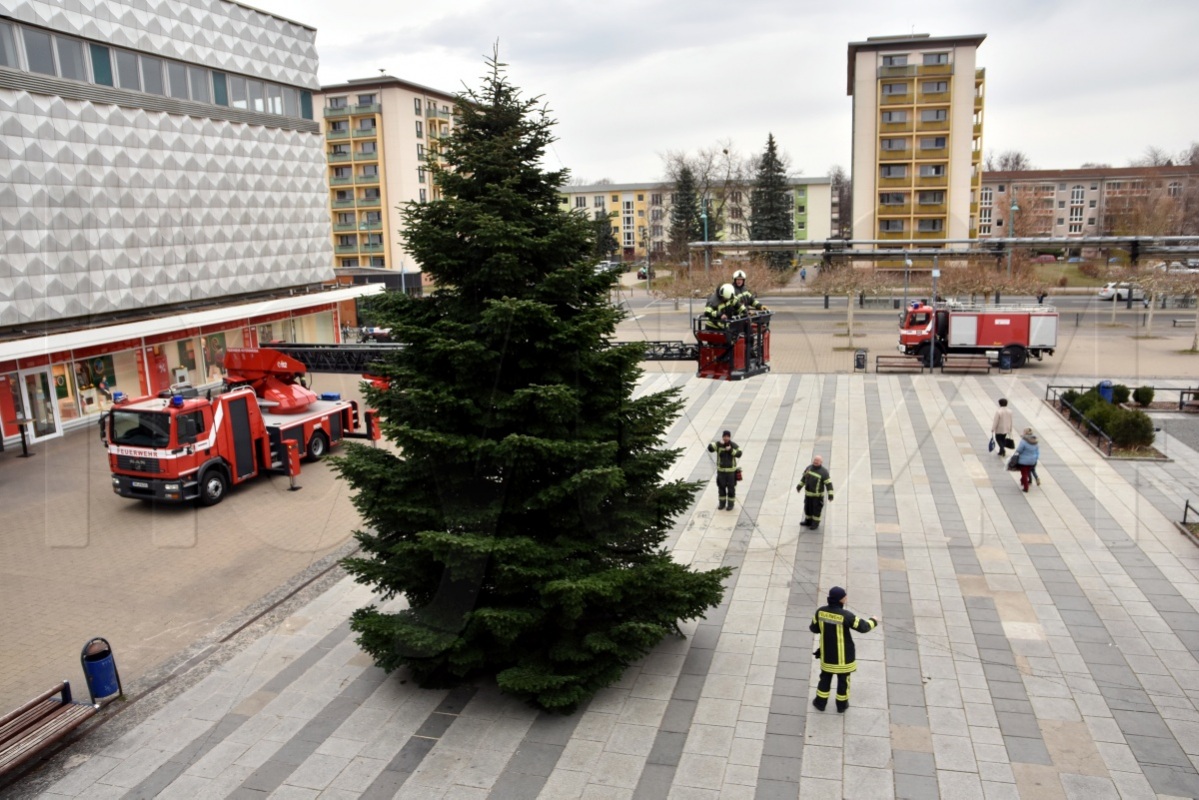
435,113
893,235
341,181
336,157
895,100
332,134
933,153
372,248
366,180
933,98
933,125
343,227
939,209
892,210
346,249
894,155
927,235
371,226
340,111
978,103
978,129
936,69
369,202
895,183
365,133
369,108
937,181
895,127
343,203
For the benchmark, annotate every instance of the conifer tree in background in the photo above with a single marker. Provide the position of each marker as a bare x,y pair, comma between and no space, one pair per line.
686,220
524,518
769,205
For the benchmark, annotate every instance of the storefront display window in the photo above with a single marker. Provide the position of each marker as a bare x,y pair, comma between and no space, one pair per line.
97,377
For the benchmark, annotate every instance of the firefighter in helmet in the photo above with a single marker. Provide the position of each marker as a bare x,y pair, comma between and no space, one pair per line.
748,300
722,308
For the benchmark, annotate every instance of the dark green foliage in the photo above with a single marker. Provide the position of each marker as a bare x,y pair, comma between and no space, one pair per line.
524,521
1143,395
1129,428
605,240
1120,394
686,217
1100,414
1087,399
770,205
1069,396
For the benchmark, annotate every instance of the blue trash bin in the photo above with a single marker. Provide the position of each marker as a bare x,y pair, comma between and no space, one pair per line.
1105,390
1005,360
100,669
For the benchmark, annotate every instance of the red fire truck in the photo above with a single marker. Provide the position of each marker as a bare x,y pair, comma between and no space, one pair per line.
1003,333
181,446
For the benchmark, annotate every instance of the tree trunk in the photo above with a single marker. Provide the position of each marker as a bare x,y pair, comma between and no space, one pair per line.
1115,302
1195,340
1149,317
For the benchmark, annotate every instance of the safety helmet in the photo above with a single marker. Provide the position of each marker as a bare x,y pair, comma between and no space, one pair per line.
727,291
739,274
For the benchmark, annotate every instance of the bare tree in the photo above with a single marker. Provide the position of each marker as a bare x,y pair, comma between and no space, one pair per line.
1095,165
842,191
1150,212
1153,156
1190,156
723,178
850,282
1007,161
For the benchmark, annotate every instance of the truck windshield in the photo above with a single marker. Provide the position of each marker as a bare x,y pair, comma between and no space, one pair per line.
141,428
917,320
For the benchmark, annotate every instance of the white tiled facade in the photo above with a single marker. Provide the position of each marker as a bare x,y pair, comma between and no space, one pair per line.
111,205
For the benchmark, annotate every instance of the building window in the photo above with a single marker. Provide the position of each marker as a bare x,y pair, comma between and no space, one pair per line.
934,115
201,90
420,129
640,198
1061,221
892,198
986,196
627,239
894,144
345,218
1174,189
374,240
894,89
1076,196
366,124
343,196
655,199
615,198
984,216
420,177
349,240
801,209
735,212
934,143
424,195
891,117
1090,204
420,152
931,198
580,202
368,148
370,194
349,262
891,225
416,102
657,214
1000,188
935,59
1061,203
373,217
895,61
237,92
367,100
932,170
801,191
337,102
152,82
342,172
1090,221
38,52
8,46
801,225
936,87
70,59
377,261
735,228
598,201
339,125
894,171
930,225
369,171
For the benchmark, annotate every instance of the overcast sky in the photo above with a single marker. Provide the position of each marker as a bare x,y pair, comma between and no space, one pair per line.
1068,81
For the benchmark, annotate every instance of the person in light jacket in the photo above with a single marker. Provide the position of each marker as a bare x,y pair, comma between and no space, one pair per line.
1028,452
1001,427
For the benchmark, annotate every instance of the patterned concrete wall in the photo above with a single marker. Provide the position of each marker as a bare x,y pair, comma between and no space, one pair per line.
108,208
218,34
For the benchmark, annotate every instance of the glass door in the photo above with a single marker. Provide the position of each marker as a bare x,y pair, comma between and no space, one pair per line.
40,408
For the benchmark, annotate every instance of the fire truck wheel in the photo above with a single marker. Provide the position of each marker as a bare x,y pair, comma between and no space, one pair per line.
1017,354
318,446
213,486
925,355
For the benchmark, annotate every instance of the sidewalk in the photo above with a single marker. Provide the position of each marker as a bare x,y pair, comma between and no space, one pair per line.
1039,645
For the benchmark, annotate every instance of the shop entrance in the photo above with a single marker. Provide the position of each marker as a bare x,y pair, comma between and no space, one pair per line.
38,404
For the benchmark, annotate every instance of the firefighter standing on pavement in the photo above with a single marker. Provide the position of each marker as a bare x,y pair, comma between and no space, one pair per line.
814,483
727,452
836,652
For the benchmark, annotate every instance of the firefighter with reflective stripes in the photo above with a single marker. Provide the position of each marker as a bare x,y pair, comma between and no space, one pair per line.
814,483
727,452
741,293
722,307
836,653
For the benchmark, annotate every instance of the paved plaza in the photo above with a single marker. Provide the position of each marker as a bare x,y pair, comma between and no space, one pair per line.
1038,645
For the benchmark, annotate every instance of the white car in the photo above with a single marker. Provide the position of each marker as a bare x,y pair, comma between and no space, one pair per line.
1119,291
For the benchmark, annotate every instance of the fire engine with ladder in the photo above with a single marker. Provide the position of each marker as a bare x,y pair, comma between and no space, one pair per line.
180,446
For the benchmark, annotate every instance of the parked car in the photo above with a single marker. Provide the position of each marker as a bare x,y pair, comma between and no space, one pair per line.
607,266
1119,291
1044,258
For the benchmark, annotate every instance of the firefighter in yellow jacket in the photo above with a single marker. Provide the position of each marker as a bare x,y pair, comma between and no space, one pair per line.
834,622
814,483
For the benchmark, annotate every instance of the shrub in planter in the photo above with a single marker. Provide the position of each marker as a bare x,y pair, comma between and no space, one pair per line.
1101,415
1069,396
1131,429
1143,395
1120,394
1086,400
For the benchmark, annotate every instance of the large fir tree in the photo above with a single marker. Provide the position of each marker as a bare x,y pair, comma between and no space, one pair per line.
769,207
524,521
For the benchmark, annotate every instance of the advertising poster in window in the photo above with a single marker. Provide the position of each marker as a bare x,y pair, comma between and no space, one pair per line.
187,354
213,346
103,375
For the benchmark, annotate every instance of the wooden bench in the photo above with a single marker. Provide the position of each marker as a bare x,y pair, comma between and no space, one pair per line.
897,363
963,363
1189,322
38,724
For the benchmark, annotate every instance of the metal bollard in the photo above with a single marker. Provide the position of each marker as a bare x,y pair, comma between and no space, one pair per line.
293,464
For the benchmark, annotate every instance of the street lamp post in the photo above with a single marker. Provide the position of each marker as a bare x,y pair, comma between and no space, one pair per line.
907,268
707,249
1013,209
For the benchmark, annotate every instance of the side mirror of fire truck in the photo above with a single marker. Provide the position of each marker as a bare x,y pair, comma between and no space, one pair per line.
104,427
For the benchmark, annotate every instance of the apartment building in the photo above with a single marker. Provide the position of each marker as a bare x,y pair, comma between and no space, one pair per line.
381,135
640,212
163,200
1094,201
917,136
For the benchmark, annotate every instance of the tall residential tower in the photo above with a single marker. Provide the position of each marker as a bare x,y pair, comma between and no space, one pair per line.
917,136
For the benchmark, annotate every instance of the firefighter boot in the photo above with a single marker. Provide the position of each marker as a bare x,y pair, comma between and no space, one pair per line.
721,506
730,504
842,705
819,703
